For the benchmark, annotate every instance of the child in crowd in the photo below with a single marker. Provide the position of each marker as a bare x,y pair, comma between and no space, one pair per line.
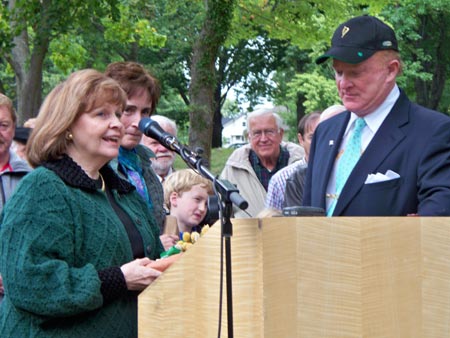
186,197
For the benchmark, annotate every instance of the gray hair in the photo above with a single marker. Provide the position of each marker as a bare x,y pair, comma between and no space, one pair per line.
263,112
165,122
331,111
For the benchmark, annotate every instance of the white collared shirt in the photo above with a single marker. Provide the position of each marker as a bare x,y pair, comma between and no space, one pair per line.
161,179
373,123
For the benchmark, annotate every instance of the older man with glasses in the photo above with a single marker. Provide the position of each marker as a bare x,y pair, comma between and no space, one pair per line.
251,167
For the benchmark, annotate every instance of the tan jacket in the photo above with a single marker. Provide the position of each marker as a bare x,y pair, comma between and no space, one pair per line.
239,171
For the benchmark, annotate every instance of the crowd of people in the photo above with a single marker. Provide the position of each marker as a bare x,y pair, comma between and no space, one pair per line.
105,191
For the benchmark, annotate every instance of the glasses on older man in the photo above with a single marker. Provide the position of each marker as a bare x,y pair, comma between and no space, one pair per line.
256,134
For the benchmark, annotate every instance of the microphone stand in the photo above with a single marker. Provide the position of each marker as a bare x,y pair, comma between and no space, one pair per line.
229,195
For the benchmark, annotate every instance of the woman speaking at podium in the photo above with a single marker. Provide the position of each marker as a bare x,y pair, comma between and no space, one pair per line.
76,241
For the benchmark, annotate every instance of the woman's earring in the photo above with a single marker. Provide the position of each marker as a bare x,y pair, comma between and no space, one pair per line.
69,137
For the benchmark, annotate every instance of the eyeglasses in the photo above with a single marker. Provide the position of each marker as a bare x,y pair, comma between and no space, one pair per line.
256,134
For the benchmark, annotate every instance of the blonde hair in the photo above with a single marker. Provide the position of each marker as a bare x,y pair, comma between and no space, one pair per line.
6,102
82,92
183,180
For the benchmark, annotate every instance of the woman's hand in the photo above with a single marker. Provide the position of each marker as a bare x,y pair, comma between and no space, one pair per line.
138,275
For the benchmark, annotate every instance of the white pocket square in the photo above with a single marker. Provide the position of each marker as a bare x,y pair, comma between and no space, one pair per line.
379,177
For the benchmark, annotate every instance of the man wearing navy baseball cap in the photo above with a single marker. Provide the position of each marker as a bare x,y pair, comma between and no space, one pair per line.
385,156
358,39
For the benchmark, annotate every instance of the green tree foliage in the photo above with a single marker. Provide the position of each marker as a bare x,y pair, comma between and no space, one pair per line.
319,92
422,29
258,48
37,26
138,30
33,25
246,68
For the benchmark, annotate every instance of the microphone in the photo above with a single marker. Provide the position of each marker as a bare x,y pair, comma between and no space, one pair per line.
152,129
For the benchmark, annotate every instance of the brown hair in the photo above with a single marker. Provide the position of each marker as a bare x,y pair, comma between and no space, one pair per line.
6,101
82,92
133,76
306,121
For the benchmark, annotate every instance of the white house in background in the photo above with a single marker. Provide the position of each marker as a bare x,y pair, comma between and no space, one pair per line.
234,130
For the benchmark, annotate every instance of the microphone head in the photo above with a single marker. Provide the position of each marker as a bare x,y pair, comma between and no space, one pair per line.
145,123
152,129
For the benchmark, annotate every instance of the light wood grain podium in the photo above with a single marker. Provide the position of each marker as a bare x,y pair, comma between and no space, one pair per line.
310,277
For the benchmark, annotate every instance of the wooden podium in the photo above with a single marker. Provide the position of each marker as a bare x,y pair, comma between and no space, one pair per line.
310,277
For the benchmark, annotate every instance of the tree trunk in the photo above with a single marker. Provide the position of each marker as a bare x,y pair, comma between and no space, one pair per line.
29,81
203,73
217,121
28,67
429,93
201,92
300,108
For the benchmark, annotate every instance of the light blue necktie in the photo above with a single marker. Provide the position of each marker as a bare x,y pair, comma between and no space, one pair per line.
347,162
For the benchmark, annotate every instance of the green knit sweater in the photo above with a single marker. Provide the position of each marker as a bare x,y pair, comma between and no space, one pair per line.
61,245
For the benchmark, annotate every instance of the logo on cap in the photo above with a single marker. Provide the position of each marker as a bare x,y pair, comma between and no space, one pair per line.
345,30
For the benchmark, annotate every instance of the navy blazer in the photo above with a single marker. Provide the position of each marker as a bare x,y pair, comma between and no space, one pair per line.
413,141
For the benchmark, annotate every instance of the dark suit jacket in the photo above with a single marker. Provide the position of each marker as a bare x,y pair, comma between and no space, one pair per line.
412,141
293,195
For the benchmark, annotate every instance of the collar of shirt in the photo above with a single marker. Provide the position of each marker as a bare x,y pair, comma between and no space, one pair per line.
161,179
374,119
6,167
263,174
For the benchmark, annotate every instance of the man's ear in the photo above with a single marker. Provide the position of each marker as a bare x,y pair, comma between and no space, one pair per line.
394,69
300,139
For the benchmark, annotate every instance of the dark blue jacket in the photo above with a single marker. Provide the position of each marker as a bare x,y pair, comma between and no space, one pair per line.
413,141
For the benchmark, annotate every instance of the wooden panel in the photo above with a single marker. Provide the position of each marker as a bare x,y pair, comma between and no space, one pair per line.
311,277
322,273
184,301
435,275
391,282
